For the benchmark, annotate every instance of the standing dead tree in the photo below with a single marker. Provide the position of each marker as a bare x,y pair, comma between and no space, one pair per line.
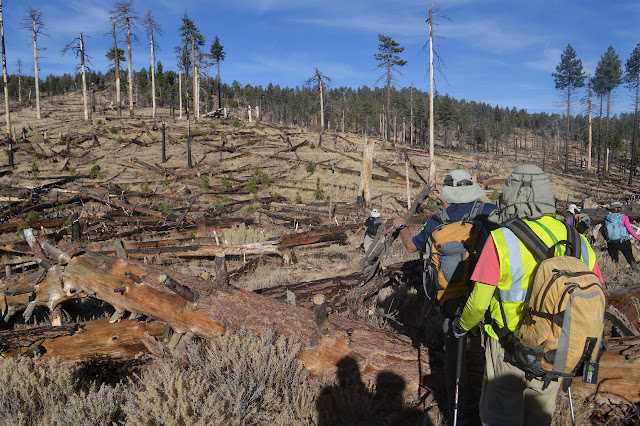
116,59
126,19
77,45
321,82
4,75
33,22
152,27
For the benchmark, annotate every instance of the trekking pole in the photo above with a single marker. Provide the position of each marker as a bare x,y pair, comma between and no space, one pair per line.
573,415
461,341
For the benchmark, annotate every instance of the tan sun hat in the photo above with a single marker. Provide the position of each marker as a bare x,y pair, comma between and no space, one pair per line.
460,188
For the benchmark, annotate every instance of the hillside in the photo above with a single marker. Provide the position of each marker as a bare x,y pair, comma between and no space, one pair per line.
278,204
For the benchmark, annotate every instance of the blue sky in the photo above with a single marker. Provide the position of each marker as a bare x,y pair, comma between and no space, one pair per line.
494,51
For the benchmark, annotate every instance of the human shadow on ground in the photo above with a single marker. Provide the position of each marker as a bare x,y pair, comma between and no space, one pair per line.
352,402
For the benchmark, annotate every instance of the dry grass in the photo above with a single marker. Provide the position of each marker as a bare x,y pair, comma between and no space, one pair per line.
582,409
233,380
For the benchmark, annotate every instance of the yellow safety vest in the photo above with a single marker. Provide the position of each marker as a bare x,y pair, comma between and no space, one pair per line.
518,266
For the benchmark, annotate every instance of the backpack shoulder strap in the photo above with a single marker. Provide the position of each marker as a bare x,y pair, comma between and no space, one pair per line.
529,238
476,209
573,237
444,216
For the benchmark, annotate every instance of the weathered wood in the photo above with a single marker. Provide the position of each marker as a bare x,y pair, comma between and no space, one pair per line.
375,350
122,340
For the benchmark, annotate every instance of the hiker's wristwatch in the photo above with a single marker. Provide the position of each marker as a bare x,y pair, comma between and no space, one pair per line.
401,226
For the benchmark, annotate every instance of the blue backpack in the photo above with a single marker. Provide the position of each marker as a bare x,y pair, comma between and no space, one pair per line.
614,230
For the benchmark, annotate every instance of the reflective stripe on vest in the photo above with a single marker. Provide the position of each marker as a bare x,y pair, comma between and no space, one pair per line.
515,292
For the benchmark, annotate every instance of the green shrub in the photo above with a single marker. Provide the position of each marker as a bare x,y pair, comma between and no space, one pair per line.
310,168
34,167
262,176
251,209
225,181
298,198
104,131
99,122
312,145
392,175
32,215
166,182
95,172
30,147
191,235
236,122
204,182
319,193
212,126
62,141
252,185
165,208
74,144
143,123
113,130
276,197
120,139
250,142
145,188
217,205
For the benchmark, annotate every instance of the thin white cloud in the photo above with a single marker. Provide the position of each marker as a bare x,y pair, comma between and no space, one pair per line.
546,62
491,35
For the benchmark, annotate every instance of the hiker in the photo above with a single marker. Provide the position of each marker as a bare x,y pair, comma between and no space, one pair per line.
581,221
573,210
447,255
617,231
370,228
508,395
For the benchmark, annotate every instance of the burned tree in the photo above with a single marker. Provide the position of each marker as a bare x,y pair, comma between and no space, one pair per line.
33,22
126,19
152,27
77,45
320,82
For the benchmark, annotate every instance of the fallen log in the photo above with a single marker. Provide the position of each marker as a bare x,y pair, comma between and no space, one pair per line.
134,287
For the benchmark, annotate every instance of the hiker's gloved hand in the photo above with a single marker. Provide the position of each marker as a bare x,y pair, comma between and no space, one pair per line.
458,332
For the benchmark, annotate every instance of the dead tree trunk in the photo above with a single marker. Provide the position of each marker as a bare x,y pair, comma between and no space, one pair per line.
365,174
193,305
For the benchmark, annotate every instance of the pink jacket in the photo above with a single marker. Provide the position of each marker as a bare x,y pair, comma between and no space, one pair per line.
627,224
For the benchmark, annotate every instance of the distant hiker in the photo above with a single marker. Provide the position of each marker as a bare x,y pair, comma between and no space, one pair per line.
452,238
581,221
617,231
504,278
370,228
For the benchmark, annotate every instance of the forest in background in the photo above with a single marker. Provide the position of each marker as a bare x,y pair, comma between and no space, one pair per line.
462,125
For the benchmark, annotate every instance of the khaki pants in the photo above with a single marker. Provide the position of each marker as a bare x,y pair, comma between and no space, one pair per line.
508,398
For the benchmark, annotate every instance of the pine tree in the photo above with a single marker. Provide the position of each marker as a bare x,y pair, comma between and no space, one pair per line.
608,76
568,77
217,55
389,59
192,40
319,82
153,28
632,77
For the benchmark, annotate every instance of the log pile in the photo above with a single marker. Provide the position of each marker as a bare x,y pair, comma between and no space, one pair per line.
101,240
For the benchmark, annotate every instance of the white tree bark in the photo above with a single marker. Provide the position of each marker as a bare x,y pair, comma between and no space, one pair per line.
4,75
130,76
180,89
117,70
153,77
84,79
